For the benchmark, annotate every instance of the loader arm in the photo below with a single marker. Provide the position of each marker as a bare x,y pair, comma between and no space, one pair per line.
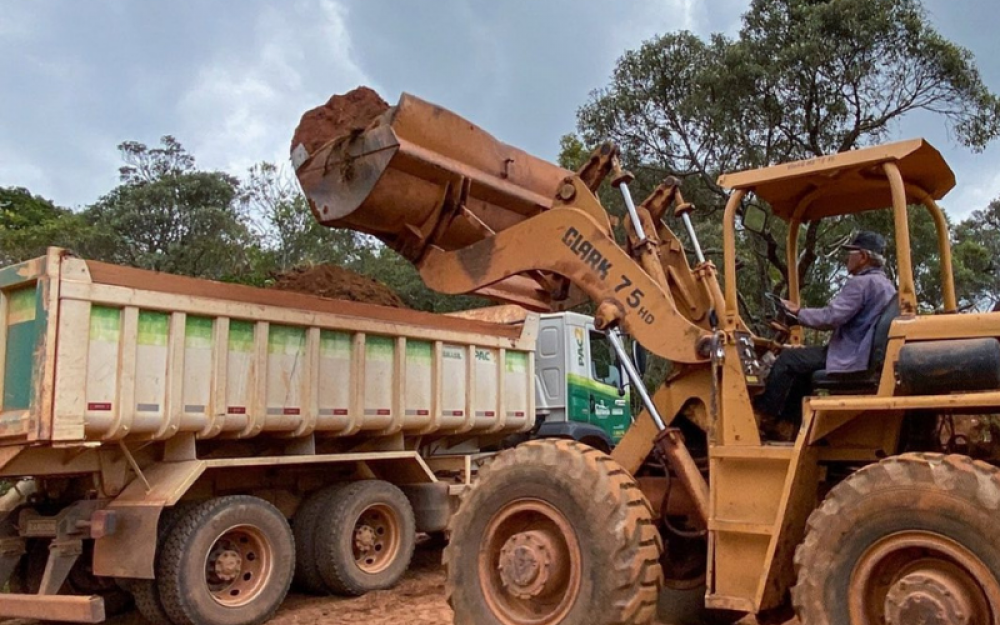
478,216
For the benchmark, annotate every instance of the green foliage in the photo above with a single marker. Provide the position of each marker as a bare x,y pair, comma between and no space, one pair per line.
802,78
284,225
168,216
29,224
976,259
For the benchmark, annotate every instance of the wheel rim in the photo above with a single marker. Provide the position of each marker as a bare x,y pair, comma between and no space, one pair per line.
238,565
376,538
530,567
921,577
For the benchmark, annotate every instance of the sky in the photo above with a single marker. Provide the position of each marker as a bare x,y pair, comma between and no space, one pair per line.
230,80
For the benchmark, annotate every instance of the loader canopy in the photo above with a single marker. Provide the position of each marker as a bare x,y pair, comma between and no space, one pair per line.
848,182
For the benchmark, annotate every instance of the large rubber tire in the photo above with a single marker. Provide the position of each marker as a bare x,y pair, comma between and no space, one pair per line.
246,538
587,531
145,591
372,511
304,523
913,538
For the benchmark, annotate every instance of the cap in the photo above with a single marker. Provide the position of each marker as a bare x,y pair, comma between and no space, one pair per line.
868,241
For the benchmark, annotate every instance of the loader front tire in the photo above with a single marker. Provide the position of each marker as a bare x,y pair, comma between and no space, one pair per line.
911,539
553,531
227,561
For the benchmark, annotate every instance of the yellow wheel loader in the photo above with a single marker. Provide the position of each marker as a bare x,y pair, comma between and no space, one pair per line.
864,518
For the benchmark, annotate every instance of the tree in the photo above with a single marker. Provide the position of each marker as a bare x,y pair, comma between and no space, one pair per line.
168,216
289,235
803,78
31,223
977,258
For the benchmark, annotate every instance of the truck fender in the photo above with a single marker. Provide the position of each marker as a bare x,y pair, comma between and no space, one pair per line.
580,432
130,551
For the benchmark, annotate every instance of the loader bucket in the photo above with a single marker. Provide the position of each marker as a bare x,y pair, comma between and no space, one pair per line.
415,174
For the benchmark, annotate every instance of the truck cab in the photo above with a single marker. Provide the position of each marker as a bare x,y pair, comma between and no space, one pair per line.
578,383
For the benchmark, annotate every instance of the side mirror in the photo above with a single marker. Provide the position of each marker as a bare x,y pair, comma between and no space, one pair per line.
755,219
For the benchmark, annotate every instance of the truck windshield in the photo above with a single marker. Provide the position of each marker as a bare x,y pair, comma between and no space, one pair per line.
603,364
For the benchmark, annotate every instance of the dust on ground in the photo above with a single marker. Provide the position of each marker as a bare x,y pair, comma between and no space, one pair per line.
417,600
340,116
337,283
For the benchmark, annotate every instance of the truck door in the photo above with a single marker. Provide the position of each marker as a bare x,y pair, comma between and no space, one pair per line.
593,381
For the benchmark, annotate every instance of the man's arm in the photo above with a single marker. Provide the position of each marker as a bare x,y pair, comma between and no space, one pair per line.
842,309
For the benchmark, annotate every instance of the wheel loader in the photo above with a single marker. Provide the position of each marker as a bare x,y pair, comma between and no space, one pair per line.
868,516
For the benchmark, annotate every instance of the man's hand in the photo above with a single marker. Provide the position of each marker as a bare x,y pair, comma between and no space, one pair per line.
791,307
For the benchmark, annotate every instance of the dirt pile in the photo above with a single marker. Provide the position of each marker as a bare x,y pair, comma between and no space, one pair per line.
337,283
341,115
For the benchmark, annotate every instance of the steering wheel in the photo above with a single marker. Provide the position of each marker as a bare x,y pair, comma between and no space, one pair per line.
783,314
782,318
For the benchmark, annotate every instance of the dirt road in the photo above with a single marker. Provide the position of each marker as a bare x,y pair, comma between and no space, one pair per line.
418,600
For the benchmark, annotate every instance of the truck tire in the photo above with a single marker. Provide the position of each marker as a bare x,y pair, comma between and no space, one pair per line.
911,539
364,537
227,561
144,591
553,531
304,523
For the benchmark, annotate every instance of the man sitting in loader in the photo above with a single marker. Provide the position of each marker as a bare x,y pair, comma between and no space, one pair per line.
852,316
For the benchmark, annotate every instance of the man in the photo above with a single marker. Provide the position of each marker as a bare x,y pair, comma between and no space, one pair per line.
852,315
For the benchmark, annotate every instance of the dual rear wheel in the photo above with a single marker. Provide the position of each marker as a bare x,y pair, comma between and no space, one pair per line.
230,560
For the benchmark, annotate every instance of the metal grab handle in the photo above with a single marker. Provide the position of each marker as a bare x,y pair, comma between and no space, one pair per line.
615,338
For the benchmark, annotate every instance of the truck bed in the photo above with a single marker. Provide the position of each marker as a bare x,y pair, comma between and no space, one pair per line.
96,352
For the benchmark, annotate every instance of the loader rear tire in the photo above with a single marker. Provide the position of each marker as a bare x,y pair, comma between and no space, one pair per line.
228,561
911,539
364,537
553,531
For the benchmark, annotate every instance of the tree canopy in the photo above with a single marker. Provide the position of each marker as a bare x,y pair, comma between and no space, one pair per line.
801,79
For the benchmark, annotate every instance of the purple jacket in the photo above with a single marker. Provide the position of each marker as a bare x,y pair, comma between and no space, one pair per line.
852,316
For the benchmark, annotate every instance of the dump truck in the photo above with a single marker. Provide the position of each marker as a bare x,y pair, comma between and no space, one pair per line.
871,514
196,446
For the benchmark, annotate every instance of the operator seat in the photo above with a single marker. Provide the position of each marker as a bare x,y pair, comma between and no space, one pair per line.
861,382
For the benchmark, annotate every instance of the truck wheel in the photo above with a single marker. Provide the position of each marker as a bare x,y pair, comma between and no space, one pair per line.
553,531
228,561
364,537
304,525
912,539
144,591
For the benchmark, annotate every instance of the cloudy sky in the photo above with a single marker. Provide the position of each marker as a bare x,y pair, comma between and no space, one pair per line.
231,79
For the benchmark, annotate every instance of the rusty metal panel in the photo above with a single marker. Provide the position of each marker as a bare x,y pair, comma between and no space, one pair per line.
131,550
53,607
